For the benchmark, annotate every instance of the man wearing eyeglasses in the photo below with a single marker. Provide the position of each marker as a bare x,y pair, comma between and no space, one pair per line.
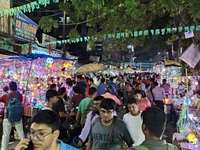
44,132
108,132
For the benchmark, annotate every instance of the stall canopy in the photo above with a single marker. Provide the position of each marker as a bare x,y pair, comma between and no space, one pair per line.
4,54
172,63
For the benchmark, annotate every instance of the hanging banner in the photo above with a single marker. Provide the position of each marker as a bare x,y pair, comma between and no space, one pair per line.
25,29
48,38
191,56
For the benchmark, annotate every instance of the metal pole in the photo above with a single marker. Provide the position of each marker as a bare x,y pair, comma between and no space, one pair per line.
64,31
187,89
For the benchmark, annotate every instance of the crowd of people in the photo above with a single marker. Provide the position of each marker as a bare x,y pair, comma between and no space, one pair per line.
139,98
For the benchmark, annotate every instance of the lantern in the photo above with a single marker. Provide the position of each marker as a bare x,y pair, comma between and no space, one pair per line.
167,101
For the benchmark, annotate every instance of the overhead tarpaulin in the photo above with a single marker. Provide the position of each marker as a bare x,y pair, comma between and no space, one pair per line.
172,63
36,56
6,55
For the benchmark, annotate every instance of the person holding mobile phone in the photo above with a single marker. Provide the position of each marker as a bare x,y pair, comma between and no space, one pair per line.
44,132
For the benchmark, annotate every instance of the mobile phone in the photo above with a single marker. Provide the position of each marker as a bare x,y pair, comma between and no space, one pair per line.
30,146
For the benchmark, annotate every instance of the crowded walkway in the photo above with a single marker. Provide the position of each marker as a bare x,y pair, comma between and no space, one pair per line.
73,99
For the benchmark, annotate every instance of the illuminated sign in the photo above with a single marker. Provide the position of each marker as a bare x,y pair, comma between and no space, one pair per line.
25,29
40,50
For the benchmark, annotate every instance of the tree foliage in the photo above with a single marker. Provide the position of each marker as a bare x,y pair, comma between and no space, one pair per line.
47,24
112,16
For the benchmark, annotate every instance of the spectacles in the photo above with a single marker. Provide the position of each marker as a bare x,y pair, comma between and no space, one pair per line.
106,111
40,136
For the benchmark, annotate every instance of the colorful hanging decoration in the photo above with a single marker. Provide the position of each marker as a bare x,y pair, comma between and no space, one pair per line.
49,60
11,73
33,77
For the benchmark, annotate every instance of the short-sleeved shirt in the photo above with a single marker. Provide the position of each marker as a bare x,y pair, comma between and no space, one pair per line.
156,145
59,107
64,146
166,87
100,135
76,99
83,104
143,104
134,126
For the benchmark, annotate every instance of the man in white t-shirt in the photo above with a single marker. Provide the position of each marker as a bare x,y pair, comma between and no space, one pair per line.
133,122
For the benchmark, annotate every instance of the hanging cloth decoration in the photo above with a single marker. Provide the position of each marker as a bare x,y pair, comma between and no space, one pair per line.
50,49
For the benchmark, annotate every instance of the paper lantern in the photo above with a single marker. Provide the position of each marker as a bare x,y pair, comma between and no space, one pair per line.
186,101
59,64
192,138
67,65
167,101
15,77
49,66
11,73
6,74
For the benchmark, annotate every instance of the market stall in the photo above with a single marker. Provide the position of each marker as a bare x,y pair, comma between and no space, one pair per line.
33,74
185,117
187,135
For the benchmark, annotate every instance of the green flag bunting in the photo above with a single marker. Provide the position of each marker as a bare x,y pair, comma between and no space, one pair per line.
119,35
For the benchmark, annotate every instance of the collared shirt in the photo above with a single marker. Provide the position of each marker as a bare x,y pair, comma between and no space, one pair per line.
158,93
113,97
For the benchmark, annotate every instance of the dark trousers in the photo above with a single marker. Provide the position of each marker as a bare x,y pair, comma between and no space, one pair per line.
159,104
